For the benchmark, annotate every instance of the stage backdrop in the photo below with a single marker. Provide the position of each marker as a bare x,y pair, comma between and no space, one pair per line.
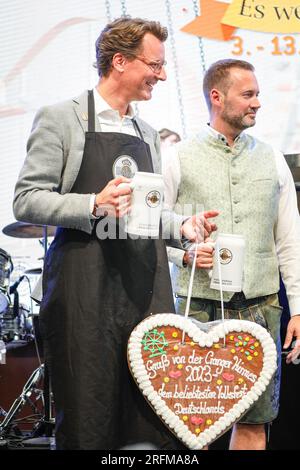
47,55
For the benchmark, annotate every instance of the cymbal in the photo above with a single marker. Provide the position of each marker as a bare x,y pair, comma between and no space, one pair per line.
25,230
33,271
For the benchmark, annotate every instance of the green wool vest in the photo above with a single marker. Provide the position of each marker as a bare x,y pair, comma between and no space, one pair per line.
242,183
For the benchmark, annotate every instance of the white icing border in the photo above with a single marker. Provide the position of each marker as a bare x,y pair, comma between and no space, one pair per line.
203,339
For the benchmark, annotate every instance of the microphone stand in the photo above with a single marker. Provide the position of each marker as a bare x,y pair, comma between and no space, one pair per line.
48,420
16,304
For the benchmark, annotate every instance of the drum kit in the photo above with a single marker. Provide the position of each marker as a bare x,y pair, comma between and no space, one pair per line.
18,331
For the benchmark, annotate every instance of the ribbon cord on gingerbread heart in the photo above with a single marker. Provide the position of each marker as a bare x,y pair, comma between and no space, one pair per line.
191,282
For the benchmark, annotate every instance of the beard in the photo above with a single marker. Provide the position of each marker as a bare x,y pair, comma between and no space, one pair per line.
237,121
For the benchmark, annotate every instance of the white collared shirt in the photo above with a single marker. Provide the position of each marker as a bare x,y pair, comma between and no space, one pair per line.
111,121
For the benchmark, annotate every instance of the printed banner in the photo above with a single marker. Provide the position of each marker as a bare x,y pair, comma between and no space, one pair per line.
219,20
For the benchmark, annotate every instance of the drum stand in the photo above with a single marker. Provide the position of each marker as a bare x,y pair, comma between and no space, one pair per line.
27,391
46,422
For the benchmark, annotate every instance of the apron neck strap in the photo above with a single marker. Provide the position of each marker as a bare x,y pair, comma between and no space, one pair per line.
91,111
137,128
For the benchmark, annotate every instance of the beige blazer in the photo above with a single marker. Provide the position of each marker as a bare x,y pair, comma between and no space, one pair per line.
54,155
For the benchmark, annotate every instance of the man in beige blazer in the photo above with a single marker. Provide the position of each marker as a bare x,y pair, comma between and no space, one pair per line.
43,189
97,290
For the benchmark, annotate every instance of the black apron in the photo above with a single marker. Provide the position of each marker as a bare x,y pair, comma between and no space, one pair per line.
95,293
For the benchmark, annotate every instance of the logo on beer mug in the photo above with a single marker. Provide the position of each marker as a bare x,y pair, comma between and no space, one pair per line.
153,198
225,256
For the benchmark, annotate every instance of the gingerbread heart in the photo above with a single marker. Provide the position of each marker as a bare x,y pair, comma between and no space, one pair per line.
202,386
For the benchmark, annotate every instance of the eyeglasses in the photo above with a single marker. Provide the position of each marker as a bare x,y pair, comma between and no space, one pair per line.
156,67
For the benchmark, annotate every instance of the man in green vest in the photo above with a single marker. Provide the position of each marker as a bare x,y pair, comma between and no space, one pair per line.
223,168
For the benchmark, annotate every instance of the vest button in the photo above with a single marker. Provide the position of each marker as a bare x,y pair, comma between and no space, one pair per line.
237,219
234,182
235,201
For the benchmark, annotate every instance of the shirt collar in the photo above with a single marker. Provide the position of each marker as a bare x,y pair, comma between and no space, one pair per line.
103,109
217,135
